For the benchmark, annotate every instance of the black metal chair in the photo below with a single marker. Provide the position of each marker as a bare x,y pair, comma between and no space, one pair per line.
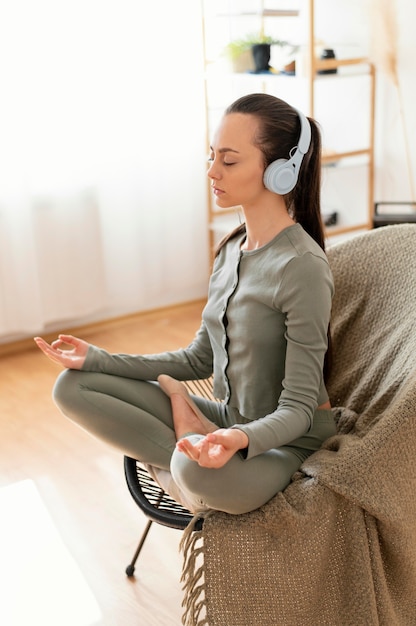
152,500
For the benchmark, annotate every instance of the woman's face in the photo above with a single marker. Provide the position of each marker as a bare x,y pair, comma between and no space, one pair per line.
236,164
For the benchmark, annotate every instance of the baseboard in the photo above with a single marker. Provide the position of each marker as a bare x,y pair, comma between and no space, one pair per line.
27,343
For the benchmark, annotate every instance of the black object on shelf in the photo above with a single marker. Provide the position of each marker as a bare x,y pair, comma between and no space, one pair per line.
328,53
330,219
390,213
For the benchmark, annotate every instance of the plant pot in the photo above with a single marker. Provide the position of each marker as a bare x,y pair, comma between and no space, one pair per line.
243,63
261,56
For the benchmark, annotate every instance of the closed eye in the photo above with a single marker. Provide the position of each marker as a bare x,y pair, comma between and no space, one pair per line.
211,159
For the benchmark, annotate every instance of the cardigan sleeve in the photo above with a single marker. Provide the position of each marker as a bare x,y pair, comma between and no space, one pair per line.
189,363
305,297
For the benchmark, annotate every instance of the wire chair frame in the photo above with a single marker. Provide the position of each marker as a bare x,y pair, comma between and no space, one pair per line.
157,505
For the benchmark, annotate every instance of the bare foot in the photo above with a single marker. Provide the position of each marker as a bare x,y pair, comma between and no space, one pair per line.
187,418
186,421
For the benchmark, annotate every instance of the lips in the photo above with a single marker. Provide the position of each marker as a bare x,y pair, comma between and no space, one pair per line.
216,191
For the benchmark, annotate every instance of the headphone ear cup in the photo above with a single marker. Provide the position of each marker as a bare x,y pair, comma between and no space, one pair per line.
280,176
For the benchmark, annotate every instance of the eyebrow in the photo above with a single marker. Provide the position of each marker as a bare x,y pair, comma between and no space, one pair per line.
222,150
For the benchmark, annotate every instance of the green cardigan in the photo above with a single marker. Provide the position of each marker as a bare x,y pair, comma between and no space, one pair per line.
263,335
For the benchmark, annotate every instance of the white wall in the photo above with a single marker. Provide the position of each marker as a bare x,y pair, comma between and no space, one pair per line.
102,161
357,25
396,115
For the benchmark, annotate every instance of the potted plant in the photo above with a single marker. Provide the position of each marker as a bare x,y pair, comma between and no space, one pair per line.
252,53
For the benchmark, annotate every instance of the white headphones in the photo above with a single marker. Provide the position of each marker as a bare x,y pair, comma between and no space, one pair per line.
281,175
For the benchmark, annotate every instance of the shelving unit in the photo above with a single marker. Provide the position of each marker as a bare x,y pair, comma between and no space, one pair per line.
342,102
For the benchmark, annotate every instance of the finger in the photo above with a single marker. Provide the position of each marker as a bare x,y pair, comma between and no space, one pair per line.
57,343
212,438
70,339
50,352
46,347
41,343
189,455
207,454
185,446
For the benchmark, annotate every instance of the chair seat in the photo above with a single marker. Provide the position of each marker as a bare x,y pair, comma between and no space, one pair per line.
155,503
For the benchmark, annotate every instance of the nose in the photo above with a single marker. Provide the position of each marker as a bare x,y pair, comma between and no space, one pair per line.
213,171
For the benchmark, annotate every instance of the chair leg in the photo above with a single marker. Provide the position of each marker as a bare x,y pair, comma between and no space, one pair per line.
130,568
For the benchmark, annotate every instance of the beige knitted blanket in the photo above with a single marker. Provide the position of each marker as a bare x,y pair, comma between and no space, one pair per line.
338,546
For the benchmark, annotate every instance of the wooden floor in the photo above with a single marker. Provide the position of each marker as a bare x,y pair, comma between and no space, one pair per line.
68,523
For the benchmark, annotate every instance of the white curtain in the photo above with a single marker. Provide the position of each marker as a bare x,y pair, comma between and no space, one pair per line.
102,160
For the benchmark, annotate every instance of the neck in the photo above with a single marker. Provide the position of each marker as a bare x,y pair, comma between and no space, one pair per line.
263,224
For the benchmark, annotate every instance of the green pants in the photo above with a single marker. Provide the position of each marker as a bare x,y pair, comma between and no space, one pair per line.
135,417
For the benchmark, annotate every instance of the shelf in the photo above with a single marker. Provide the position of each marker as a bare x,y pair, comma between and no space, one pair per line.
344,109
263,13
333,157
318,65
334,231
330,64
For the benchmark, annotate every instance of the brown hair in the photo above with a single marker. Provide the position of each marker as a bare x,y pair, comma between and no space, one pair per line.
278,133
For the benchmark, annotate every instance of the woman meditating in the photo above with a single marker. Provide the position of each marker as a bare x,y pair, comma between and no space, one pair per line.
263,334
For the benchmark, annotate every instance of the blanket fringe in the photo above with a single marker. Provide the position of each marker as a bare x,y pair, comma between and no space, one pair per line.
193,575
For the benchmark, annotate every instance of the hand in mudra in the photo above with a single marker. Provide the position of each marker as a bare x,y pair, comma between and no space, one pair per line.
72,358
216,448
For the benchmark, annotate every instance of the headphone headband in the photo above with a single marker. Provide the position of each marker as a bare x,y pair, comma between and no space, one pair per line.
305,133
